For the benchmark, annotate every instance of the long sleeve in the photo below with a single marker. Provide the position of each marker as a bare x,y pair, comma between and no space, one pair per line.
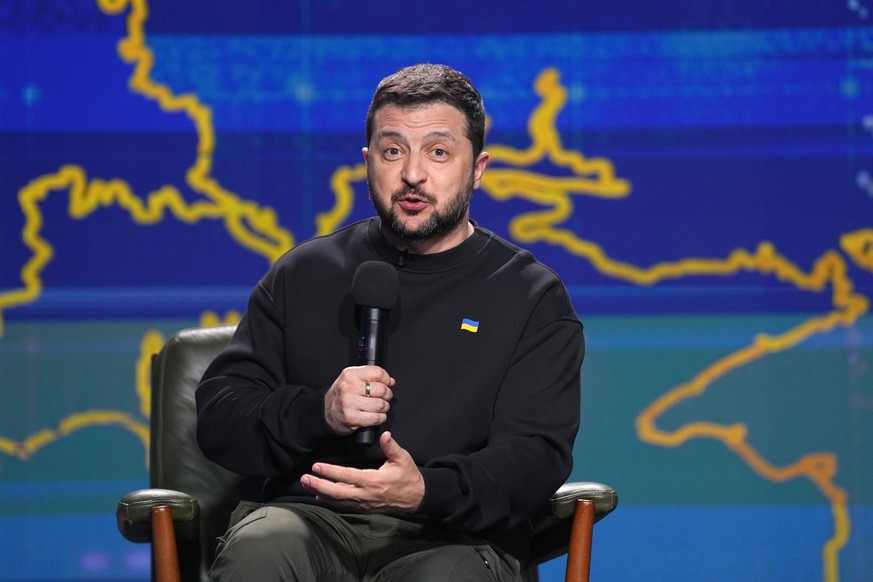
250,420
528,453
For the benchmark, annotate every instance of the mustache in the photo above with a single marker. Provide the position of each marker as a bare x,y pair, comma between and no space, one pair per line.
416,192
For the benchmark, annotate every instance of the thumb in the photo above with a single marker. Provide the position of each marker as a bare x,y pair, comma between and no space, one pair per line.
393,451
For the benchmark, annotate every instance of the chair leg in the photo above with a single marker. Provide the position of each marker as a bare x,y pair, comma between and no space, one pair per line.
532,574
165,555
579,553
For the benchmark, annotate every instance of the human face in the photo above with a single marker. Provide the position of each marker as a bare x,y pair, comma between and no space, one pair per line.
421,175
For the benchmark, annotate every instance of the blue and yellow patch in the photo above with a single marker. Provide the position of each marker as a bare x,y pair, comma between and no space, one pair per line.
470,325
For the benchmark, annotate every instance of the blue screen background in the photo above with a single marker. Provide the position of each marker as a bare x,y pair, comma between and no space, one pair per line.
698,173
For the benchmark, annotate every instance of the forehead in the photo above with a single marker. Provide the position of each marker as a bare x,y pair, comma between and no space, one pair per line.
419,120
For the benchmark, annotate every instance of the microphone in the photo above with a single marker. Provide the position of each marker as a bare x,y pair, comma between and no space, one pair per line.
375,289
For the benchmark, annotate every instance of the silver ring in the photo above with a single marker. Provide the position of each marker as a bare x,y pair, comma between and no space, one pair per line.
367,390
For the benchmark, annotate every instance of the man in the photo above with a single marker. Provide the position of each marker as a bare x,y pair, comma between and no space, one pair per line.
478,402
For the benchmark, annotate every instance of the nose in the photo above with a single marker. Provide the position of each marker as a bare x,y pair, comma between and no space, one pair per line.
414,172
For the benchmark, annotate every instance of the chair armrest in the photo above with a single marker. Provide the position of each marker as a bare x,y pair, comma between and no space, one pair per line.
552,524
134,514
563,503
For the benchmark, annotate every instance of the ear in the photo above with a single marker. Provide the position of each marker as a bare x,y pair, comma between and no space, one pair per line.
479,169
366,156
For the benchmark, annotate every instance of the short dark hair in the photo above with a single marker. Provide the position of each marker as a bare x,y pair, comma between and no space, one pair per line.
424,84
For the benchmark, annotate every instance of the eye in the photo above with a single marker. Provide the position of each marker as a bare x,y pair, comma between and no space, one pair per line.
440,152
392,152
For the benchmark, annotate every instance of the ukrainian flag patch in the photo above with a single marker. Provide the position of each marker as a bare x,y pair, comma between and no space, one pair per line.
470,325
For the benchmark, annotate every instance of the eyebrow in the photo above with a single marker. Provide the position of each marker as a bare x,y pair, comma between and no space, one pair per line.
432,135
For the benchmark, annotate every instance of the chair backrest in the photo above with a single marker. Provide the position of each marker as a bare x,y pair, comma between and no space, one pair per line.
176,461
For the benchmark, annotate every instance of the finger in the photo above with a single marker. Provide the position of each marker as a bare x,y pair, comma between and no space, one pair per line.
353,380
373,404
374,374
385,392
347,476
325,489
366,411
377,390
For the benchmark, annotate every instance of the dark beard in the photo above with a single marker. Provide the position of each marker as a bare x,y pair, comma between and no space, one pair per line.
437,225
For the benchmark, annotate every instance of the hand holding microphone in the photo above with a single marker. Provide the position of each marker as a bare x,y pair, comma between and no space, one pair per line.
375,290
347,407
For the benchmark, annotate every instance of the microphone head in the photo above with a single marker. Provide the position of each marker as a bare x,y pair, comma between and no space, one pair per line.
375,284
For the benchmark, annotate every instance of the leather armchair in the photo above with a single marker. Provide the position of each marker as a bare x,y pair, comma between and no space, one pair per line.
190,499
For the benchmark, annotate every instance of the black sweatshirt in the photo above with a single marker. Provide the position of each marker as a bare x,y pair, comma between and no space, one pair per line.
489,411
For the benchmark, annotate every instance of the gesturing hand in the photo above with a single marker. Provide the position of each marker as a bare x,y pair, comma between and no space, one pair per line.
349,404
395,487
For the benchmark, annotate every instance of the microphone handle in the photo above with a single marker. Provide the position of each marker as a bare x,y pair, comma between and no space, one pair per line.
366,436
370,353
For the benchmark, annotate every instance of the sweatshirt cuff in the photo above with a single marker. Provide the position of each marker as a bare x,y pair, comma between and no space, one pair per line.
441,492
307,418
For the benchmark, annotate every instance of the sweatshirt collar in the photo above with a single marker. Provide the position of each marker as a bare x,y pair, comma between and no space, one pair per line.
423,263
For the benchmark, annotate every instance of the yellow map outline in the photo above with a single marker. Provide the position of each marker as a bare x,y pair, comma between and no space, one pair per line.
256,228
595,177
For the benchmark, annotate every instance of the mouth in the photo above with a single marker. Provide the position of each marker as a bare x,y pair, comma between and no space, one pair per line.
412,202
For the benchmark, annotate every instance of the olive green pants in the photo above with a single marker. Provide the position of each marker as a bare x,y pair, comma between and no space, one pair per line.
307,543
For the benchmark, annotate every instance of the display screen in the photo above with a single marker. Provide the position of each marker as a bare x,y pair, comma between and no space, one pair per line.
698,172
